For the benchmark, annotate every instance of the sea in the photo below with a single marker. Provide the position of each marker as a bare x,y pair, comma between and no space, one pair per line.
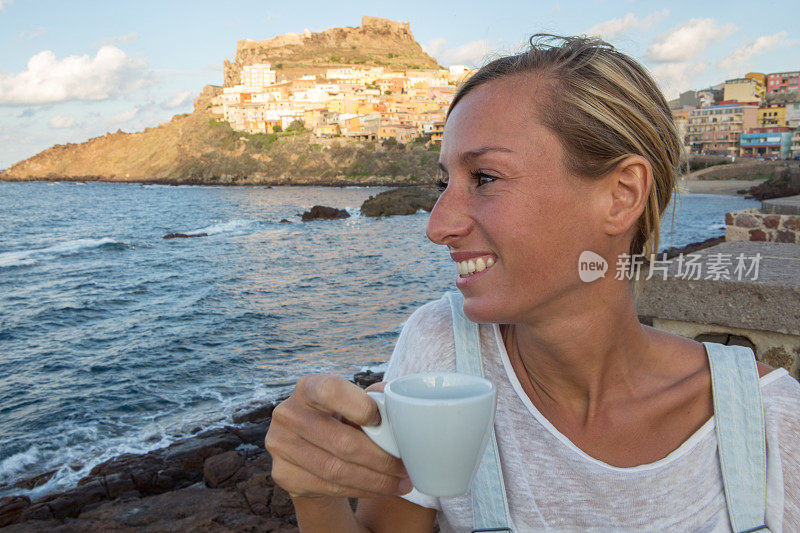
114,340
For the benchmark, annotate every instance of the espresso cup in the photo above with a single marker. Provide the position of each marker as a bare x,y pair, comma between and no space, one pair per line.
438,424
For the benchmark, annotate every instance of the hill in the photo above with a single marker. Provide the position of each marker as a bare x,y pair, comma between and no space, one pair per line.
195,148
377,42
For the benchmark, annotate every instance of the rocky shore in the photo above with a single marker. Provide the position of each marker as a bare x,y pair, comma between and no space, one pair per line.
215,480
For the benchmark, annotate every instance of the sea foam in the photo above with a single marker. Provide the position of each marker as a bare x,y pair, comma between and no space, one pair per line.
33,256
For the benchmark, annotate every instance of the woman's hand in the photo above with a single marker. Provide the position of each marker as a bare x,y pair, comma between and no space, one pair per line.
318,450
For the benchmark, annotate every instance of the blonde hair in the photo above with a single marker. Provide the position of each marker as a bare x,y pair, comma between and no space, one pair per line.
603,106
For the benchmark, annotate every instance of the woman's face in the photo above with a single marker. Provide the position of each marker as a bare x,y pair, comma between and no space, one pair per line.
511,206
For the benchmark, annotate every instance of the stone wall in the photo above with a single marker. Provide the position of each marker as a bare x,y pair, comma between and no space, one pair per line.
755,225
760,310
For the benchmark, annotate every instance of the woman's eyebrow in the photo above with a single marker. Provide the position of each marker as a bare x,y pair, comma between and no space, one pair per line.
474,154
471,155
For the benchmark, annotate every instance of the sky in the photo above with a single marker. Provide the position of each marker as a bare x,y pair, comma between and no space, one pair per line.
70,71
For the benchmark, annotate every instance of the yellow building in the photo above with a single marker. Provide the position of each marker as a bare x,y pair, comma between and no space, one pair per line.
759,77
773,115
743,90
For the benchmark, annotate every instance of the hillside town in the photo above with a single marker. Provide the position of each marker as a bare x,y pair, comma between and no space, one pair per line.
352,101
757,116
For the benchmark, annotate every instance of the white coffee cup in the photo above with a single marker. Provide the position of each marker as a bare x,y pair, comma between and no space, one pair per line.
438,424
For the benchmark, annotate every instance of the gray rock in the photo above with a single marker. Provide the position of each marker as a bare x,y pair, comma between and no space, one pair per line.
402,201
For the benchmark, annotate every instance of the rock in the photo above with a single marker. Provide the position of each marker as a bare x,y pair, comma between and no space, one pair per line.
281,503
38,511
34,481
190,454
403,201
257,490
323,212
11,507
121,485
367,378
284,221
252,433
254,414
183,235
223,469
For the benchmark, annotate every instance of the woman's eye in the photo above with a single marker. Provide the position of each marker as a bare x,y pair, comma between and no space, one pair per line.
441,184
482,179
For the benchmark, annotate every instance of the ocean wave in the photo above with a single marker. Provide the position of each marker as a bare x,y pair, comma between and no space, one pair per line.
14,465
82,450
31,257
233,226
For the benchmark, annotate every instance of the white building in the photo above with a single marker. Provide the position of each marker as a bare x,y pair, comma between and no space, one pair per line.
259,75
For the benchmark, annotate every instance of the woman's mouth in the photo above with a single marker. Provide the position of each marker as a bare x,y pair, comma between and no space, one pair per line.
472,266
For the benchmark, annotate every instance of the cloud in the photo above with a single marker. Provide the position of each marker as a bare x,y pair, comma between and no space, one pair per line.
677,77
4,3
27,113
686,40
472,53
177,100
735,60
616,27
61,121
47,80
434,47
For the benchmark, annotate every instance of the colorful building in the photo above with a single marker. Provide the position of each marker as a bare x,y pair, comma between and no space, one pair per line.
743,90
771,116
783,82
715,130
796,143
770,143
793,114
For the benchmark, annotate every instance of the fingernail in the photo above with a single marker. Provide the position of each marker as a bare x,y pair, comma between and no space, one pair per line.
405,486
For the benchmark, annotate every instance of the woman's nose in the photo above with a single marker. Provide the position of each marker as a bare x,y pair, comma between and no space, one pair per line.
449,218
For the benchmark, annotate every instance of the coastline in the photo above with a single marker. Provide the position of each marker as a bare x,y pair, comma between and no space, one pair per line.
372,181
215,480
728,187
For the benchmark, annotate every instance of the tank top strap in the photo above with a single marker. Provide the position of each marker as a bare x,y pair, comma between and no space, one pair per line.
489,502
741,440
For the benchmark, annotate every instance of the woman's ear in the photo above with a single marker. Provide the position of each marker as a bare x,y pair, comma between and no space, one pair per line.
628,187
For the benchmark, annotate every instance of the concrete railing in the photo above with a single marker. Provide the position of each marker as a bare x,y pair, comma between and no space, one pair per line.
745,293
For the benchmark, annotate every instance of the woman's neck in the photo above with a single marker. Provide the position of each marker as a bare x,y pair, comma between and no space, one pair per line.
583,358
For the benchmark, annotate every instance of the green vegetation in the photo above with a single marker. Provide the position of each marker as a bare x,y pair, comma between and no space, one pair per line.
296,126
706,162
277,128
335,59
233,157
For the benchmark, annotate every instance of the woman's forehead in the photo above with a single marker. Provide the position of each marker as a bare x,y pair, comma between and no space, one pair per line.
503,112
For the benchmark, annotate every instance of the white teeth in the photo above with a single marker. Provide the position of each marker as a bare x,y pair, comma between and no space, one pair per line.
469,267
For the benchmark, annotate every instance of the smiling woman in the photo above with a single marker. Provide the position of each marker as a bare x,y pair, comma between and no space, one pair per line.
602,423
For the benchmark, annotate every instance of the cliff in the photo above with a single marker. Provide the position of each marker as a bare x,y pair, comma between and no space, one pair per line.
377,42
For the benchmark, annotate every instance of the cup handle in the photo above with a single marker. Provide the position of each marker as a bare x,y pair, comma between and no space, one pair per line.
382,433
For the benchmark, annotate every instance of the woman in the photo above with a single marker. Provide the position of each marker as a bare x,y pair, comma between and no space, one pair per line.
602,423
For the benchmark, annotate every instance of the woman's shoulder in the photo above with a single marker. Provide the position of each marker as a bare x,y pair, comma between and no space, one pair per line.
434,315
781,395
426,342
